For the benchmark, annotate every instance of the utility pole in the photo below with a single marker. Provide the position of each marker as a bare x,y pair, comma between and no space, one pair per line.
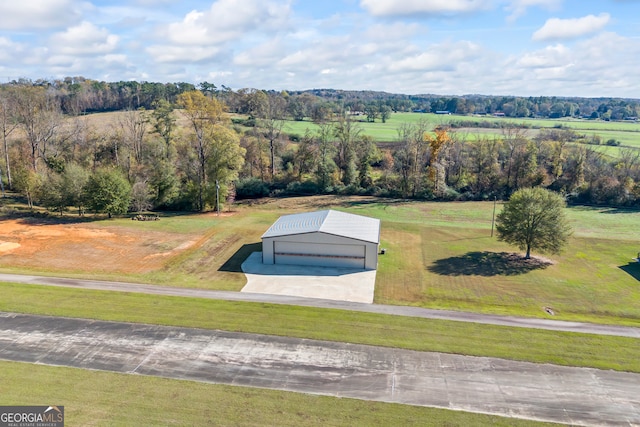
493,218
1,184
217,198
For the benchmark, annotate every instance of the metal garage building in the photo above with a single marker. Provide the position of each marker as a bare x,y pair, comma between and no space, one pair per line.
324,238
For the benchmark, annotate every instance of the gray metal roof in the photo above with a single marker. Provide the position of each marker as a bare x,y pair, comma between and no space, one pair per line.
331,222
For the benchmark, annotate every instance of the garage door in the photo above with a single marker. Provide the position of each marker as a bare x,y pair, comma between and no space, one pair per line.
319,254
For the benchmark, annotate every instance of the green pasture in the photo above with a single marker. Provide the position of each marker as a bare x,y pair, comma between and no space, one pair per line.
94,398
628,133
439,255
442,255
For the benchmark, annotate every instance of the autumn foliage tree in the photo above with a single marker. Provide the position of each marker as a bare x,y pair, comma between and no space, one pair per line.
217,149
436,169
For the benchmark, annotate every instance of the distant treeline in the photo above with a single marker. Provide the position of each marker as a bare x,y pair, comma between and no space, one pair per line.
172,146
80,95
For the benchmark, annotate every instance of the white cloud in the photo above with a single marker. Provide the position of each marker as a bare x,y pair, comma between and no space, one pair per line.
556,28
226,20
84,39
409,7
156,2
264,54
549,57
205,34
320,53
178,54
98,67
601,66
519,7
9,50
38,14
397,31
446,56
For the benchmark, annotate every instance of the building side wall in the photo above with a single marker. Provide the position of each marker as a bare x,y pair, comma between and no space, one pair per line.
319,244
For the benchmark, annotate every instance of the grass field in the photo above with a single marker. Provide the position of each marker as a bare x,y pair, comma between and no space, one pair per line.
439,255
538,346
627,133
94,398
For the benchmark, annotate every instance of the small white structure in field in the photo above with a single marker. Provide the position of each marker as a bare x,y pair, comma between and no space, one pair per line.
324,238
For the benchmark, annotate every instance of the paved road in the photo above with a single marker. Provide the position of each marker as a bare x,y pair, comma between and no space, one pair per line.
577,396
588,328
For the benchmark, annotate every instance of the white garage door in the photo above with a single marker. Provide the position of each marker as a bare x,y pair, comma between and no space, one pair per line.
319,254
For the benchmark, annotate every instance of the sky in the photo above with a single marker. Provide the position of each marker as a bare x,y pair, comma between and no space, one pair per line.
586,48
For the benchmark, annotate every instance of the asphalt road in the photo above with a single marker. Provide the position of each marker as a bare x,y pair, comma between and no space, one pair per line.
577,396
459,316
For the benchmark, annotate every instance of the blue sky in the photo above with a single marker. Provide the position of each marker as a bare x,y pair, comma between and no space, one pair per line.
449,47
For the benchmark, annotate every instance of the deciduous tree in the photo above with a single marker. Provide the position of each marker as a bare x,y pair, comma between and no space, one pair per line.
436,169
534,218
40,117
347,134
203,114
8,123
108,190
217,147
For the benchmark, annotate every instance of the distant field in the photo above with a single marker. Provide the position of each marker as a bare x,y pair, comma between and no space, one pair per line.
439,255
628,133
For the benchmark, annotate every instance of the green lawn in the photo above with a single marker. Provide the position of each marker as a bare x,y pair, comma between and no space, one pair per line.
540,346
93,398
628,133
439,255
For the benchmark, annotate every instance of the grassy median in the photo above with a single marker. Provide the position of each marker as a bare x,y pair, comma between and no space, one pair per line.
540,346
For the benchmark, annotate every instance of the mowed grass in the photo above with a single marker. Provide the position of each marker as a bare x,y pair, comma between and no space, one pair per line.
108,399
531,345
628,133
439,255
442,255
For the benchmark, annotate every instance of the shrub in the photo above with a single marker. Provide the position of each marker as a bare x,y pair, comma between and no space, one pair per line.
251,188
305,188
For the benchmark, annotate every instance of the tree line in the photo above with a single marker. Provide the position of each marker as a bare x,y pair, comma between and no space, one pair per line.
78,95
180,150
145,159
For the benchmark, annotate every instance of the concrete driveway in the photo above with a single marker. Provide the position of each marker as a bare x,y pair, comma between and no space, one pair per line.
340,284
577,396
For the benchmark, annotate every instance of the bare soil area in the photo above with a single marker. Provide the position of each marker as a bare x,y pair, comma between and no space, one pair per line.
87,247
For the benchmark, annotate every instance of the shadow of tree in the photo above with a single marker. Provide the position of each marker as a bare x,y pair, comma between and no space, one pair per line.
234,264
487,264
632,269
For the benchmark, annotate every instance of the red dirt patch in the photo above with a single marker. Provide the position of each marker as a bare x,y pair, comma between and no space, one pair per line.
86,247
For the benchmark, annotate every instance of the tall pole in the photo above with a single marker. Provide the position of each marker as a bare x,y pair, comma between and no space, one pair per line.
217,198
493,218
